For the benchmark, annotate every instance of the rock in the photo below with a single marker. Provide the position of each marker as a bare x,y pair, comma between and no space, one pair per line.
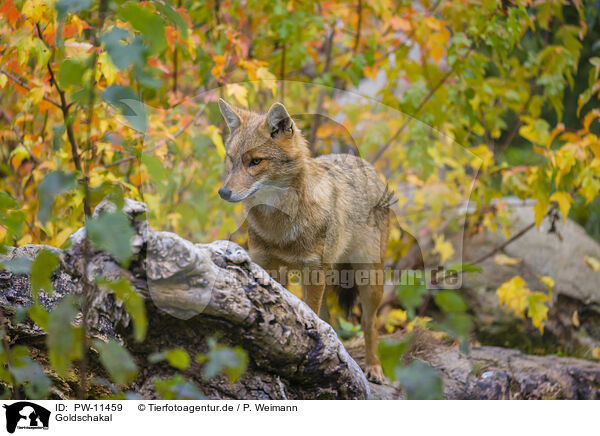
559,255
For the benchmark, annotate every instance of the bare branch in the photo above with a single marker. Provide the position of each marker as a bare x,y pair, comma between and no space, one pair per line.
24,84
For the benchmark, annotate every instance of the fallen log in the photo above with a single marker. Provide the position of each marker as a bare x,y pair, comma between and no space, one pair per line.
194,292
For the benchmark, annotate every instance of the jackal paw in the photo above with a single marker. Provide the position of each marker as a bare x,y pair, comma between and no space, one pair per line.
374,374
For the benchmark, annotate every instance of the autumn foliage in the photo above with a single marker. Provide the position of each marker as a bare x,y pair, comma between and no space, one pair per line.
452,100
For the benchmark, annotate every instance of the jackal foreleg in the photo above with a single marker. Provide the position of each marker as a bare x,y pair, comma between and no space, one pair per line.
313,287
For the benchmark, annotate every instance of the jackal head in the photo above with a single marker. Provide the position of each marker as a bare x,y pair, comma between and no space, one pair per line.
263,151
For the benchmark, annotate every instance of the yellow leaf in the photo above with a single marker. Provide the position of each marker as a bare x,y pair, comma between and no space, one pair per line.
503,259
263,75
537,309
485,157
61,237
2,232
535,130
18,155
420,322
27,239
565,161
239,92
539,211
596,353
564,201
36,94
216,138
219,66
548,281
558,129
513,294
396,318
107,68
34,9
443,248
79,23
3,80
593,263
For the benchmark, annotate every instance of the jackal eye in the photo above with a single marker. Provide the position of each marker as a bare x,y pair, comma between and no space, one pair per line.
254,162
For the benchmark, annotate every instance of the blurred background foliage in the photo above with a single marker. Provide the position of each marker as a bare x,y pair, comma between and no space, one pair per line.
452,100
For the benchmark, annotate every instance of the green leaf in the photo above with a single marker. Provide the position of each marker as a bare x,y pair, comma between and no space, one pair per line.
71,73
420,381
147,22
537,309
220,358
177,388
459,325
411,291
53,184
20,314
39,315
464,268
7,202
124,50
390,353
174,16
64,340
111,232
18,265
346,330
43,266
73,6
117,361
178,358
29,374
134,304
450,301
155,167
125,100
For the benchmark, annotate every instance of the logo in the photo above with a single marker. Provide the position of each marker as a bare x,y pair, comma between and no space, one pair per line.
26,415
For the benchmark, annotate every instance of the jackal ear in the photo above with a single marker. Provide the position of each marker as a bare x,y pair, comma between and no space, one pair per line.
231,117
279,120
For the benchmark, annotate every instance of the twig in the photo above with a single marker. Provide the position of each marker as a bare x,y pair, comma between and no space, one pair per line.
24,84
504,244
64,106
9,119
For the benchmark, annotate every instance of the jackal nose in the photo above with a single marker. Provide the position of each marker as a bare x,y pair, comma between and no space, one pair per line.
225,193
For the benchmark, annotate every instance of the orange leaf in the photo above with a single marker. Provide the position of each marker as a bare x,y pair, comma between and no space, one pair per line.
10,12
399,23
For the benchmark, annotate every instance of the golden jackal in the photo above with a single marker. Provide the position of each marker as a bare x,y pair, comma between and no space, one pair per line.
320,216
